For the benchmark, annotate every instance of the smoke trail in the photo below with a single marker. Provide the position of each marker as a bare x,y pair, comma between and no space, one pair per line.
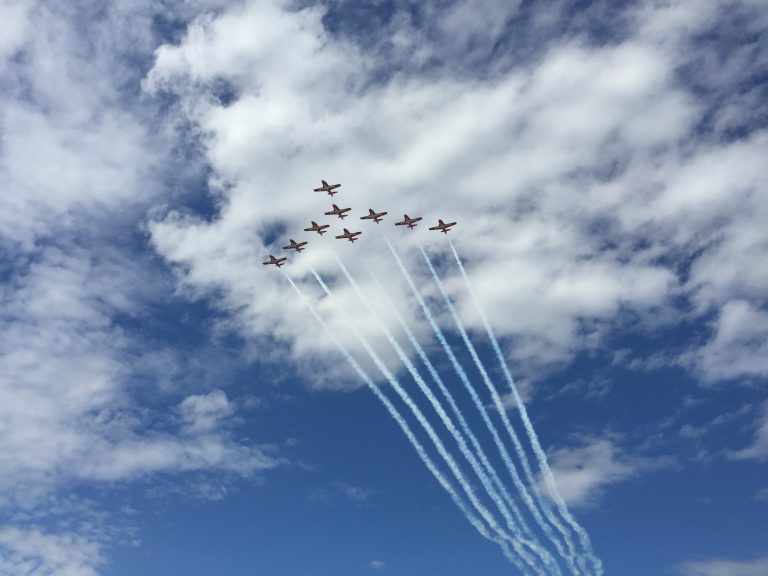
503,414
454,408
481,408
427,428
541,456
545,556
479,526
457,412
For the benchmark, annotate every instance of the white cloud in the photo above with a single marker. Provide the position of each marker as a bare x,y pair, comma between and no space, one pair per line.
14,21
428,144
65,412
143,456
203,412
61,103
757,567
738,347
582,474
81,163
575,178
32,552
589,138
378,564
357,495
758,450
524,390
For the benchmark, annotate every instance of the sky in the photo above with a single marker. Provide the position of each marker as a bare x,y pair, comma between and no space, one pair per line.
168,404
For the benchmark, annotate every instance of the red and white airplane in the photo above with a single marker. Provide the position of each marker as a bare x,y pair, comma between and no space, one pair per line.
443,227
276,261
295,245
319,228
351,236
328,188
375,216
340,212
407,221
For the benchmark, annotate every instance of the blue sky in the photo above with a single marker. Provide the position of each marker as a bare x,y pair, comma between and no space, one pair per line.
167,403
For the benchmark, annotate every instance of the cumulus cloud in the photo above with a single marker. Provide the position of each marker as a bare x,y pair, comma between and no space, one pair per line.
578,180
583,473
203,412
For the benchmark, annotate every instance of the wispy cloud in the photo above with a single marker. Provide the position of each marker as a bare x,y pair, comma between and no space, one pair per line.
30,551
756,567
357,495
758,450
584,472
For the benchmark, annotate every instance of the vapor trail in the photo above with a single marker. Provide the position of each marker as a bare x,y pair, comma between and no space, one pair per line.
487,516
521,488
541,456
479,526
446,420
515,440
488,467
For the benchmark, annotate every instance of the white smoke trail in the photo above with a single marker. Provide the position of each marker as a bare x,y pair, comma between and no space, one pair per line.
503,414
521,488
430,432
422,453
454,408
445,418
541,456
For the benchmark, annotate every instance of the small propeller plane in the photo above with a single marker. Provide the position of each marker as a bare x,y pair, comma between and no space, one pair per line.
276,261
375,216
340,212
407,221
295,245
443,227
319,228
351,236
328,188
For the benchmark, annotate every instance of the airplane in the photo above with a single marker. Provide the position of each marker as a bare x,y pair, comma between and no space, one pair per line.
328,188
351,236
319,228
410,222
338,212
295,246
276,261
376,217
443,227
